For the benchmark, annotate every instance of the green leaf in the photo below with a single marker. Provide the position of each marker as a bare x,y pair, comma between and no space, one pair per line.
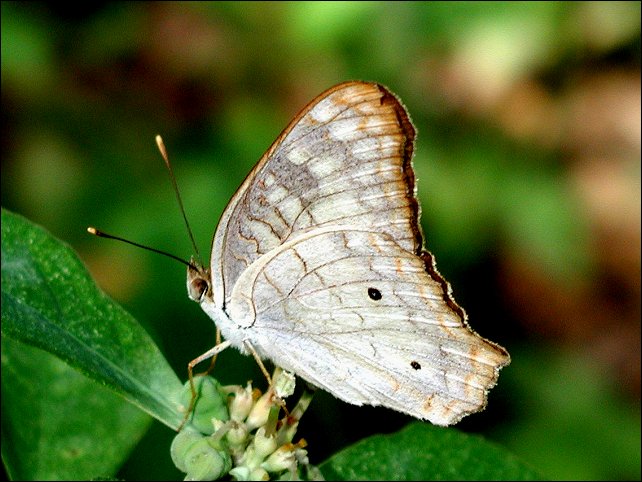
425,452
50,302
59,425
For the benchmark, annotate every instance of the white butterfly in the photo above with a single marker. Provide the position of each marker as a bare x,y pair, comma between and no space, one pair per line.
318,265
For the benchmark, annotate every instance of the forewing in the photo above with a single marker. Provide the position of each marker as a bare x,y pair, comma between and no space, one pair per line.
345,159
355,313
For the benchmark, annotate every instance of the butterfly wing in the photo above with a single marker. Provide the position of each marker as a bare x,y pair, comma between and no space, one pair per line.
318,261
353,312
345,159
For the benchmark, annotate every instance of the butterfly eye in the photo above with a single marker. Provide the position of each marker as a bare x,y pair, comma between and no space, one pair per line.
415,365
197,289
374,294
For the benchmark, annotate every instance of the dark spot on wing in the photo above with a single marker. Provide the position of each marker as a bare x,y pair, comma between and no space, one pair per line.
374,294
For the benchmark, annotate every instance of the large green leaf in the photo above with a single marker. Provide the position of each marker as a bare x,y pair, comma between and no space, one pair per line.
50,302
58,424
424,452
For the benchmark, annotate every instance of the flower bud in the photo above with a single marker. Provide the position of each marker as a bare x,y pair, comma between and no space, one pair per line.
264,445
260,411
241,402
248,458
209,403
237,435
283,383
240,473
282,459
181,445
204,462
259,474
198,457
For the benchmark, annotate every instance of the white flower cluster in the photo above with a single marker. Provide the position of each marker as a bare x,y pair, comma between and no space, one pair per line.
237,430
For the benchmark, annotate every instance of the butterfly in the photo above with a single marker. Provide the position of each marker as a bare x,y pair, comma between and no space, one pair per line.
318,265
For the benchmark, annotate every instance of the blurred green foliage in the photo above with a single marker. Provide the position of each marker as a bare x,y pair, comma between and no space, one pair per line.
512,102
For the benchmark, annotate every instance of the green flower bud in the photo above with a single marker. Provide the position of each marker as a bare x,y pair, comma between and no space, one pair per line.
250,459
204,462
181,445
264,445
237,435
210,403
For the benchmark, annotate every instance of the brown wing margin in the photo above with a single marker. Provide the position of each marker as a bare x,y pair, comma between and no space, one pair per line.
410,181
410,133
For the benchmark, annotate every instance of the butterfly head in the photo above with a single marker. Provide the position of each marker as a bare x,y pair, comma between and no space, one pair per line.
198,282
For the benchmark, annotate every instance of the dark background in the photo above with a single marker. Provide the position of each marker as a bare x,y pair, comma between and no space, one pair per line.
528,159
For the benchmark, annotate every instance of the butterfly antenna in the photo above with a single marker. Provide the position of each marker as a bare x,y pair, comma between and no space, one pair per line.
163,151
101,234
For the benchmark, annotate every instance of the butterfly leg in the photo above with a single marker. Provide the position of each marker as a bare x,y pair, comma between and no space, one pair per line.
218,342
211,353
258,360
270,379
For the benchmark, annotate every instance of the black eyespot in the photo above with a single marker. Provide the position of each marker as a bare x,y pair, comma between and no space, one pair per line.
374,294
415,365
